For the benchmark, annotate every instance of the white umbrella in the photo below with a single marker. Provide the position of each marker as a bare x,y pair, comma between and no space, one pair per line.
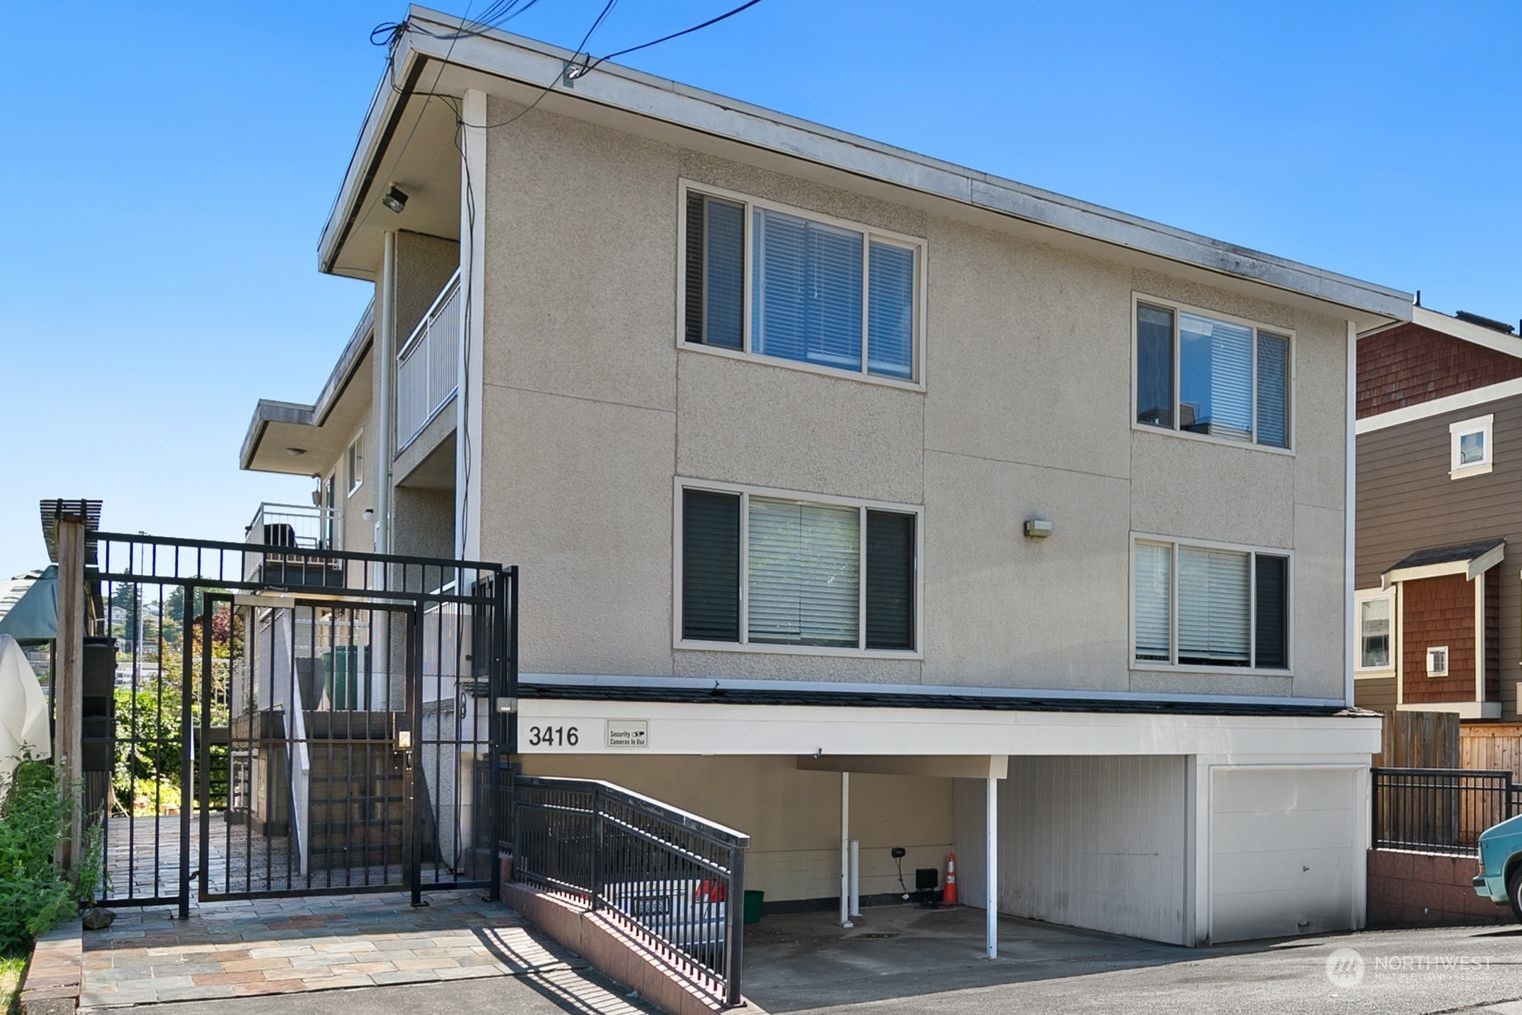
23,710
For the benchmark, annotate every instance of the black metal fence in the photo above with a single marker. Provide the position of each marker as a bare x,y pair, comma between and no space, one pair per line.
281,718
672,878
1439,810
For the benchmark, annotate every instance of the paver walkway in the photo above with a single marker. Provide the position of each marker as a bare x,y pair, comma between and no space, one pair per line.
280,946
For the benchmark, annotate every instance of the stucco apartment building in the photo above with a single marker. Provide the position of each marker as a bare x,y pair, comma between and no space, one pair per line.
861,495
1439,532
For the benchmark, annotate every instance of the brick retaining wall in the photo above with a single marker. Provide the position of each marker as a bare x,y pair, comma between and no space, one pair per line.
1426,889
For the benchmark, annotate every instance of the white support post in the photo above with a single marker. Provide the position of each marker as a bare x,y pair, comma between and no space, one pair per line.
472,340
845,850
991,872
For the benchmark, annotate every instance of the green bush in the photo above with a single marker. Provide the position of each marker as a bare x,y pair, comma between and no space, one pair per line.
35,894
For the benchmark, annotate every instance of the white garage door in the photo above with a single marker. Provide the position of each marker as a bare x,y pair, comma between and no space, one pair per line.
1284,851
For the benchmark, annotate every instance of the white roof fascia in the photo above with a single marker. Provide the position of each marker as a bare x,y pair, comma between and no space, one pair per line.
536,64
268,411
1474,334
1440,406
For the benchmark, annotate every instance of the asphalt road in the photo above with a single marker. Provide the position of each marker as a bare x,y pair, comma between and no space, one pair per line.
1407,972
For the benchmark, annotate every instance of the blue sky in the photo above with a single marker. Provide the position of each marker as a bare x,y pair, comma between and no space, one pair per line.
166,170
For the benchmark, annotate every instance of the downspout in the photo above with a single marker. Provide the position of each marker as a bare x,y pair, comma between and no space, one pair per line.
385,362
1350,504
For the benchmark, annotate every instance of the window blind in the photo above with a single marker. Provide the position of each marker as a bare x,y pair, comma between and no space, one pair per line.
714,272
1215,376
1154,576
890,580
1213,607
710,566
890,310
807,290
1273,390
1272,597
804,573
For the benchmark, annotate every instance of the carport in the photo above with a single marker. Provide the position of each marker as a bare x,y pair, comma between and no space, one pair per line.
807,960
1186,822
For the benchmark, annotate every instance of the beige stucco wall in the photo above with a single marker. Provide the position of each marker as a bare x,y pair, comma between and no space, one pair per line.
792,816
591,410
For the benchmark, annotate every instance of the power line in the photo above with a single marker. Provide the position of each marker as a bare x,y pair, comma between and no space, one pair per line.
666,38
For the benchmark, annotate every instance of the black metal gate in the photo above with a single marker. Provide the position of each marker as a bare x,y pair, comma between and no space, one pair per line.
293,720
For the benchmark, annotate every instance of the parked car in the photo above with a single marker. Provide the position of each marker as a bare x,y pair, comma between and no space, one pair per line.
1500,877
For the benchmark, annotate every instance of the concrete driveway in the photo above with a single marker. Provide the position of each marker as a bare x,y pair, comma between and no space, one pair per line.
903,960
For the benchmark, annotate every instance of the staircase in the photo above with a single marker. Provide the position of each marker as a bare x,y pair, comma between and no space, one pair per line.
357,802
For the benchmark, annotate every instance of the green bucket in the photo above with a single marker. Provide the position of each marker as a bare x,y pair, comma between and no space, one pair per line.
753,902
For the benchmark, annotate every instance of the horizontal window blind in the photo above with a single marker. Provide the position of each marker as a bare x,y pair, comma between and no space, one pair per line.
1154,580
1273,390
1214,625
710,566
890,580
890,310
804,573
807,290
714,272
1215,377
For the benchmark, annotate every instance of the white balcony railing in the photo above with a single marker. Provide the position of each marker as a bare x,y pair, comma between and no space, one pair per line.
426,365
299,527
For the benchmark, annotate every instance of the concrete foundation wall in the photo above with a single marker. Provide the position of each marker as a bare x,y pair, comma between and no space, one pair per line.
792,817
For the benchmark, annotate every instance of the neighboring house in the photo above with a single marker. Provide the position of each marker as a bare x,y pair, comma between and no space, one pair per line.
822,457
1439,530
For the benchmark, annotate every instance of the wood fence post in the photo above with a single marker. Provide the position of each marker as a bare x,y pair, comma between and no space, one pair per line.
68,681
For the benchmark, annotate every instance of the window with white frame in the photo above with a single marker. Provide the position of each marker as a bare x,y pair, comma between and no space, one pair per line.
1201,374
1210,606
1437,661
783,283
1375,609
356,462
767,569
1470,447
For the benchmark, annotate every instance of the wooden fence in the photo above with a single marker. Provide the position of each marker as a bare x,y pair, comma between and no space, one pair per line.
1492,747
1422,740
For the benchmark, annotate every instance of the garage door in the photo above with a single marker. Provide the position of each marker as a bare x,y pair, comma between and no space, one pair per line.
1284,851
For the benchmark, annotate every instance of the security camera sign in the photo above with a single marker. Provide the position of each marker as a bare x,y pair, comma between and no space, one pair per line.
628,734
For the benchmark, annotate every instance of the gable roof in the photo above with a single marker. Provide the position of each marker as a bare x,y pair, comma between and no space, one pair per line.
1469,559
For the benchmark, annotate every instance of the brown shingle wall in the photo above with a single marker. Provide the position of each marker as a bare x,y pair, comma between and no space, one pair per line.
1410,364
1438,611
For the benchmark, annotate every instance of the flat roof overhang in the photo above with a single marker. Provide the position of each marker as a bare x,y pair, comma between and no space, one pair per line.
673,721
518,70
319,430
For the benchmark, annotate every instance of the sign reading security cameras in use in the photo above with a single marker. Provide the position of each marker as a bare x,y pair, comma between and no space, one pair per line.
549,735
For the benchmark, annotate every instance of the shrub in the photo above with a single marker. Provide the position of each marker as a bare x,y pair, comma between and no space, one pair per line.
34,893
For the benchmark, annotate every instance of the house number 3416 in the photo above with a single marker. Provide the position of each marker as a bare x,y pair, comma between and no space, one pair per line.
553,736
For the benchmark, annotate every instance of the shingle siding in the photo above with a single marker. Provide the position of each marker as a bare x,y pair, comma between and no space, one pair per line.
1437,612
1410,364
1406,502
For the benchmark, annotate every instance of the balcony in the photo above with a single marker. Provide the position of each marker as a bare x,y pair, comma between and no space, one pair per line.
427,365
287,535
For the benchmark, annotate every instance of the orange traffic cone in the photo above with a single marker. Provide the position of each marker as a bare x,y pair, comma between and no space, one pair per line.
949,893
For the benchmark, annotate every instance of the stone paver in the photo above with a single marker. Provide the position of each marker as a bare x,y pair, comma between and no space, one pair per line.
279,946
